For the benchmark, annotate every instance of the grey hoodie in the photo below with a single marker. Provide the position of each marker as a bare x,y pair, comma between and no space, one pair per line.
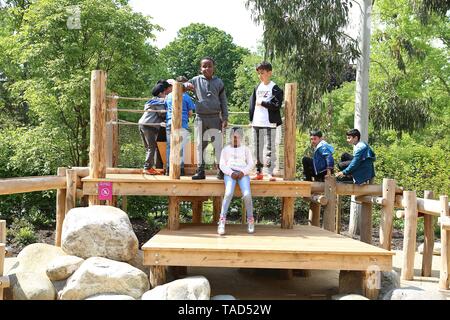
211,98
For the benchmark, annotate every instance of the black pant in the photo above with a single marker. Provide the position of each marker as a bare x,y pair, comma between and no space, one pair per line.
308,170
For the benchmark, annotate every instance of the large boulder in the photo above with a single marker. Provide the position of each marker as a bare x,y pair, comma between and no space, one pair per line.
31,286
436,249
35,258
99,231
63,267
28,276
190,288
389,281
103,276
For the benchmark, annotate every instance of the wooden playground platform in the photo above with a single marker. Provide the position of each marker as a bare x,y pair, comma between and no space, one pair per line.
303,247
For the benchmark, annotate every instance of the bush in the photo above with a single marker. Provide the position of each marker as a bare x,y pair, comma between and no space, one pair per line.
22,232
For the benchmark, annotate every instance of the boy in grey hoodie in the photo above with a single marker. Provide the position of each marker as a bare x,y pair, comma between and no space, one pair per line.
211,114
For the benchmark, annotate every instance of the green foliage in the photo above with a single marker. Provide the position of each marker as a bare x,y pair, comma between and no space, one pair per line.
182,56
414,166
410,74
22,232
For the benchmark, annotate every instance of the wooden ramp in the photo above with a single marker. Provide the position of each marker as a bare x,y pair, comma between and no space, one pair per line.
140,184
303,247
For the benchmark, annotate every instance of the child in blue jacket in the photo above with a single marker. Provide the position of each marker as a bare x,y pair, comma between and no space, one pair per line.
322,162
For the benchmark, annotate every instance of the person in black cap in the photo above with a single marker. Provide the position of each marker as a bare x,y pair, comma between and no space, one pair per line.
151,122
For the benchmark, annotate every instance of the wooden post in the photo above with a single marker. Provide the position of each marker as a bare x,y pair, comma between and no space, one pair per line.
290,146
112,138
372,284
61,195
97,150
428,243
409,237
3,232
314,214
444,280
197,208
217,207
124,203
338,213
157,276
387,211
366,222
329,219
71,190
174,214
175,134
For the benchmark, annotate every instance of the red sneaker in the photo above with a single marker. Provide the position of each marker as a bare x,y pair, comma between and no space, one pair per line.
258,176
152,171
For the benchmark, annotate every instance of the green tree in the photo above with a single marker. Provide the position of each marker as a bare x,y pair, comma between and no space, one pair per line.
54,49
308,38
182,55
410,75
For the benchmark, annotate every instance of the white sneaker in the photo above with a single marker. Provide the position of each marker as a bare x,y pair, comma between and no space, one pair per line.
251,225
221,227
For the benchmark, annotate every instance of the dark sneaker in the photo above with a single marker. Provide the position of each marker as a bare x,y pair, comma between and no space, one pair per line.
220,175
199,175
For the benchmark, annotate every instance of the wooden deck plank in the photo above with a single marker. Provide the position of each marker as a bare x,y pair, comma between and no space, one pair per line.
139,184
303,247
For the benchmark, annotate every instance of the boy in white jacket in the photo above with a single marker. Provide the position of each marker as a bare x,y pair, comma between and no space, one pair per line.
236,162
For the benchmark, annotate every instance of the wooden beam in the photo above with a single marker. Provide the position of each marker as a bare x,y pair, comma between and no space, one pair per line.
345,189
409,236
61,195
157,276
428,242
366,223
71,189
338,214
175,134
371,199
174,214
317,198
314,214
197,208
329,213
97,150
426,206
444,279
31,184
287,220
387,212
195,188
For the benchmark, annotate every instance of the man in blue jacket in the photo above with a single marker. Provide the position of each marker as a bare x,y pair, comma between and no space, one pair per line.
322,162
361,167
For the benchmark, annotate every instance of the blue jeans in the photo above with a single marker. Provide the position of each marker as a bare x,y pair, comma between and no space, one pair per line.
230,184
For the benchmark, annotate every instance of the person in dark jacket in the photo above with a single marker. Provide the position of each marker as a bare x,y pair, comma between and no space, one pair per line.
322,162
361,167
265,117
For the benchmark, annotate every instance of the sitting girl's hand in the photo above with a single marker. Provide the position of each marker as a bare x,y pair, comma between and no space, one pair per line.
240,175
235,175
